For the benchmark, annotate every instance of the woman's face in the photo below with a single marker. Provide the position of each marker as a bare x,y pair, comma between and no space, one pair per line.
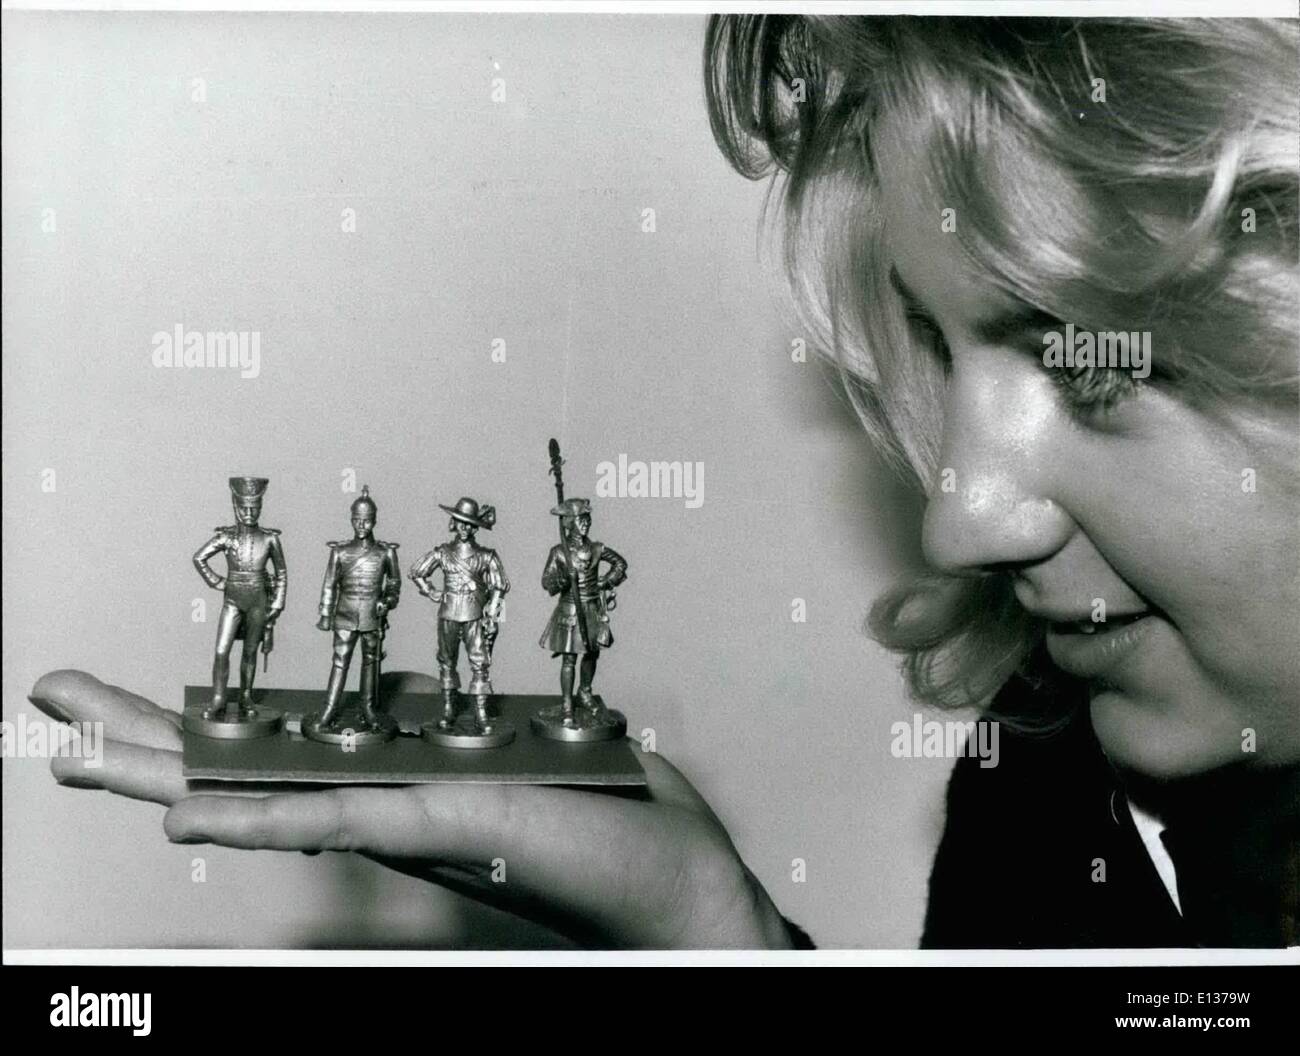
1184,525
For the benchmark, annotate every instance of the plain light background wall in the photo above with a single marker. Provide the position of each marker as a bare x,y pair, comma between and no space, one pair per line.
519,220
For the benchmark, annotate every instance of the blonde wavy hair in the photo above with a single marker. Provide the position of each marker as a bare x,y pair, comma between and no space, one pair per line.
1173,208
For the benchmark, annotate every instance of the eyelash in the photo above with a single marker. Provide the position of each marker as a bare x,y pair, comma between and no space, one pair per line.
1094,390
938,343
1087,391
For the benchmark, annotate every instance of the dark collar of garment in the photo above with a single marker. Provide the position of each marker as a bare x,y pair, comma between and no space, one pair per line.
1234,837
1042,852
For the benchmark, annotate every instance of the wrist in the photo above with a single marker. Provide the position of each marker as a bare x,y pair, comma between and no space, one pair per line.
774,931
746,918
799,939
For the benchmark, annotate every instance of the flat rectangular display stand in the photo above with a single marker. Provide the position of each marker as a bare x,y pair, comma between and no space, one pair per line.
409,759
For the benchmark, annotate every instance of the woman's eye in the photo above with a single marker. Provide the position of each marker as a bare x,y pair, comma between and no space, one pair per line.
1092,389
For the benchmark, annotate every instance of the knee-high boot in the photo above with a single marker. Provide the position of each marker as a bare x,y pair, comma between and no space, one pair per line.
370,690
333,694
220,678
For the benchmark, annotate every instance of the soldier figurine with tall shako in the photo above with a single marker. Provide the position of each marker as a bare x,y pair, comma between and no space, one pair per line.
252,601
579,626
362,586
469,605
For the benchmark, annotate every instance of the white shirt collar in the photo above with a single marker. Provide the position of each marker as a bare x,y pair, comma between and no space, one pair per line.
1149,828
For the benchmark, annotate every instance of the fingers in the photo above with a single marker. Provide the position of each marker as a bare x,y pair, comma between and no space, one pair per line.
624,866
130,770
445,823
311,821
75,696
141,759
448,822
392,822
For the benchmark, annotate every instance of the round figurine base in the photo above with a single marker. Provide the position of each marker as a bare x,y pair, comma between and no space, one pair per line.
599,724
348,734
468,735
257,722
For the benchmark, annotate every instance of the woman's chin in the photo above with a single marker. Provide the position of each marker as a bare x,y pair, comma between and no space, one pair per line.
1162,739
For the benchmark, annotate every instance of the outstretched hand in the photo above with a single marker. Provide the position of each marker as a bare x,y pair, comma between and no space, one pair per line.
605,870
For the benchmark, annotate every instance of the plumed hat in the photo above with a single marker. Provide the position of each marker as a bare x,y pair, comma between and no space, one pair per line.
470,512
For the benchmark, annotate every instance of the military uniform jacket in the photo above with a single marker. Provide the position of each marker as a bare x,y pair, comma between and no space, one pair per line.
471,576
358,577
248,550
562,634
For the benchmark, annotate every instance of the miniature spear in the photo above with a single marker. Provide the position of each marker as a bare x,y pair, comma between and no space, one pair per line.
556,463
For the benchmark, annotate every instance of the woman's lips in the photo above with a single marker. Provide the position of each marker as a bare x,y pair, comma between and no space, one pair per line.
1095,650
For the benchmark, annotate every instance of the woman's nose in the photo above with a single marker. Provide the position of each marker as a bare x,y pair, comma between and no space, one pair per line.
995,502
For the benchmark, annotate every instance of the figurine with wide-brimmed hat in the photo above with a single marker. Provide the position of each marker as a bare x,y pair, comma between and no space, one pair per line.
469,601
579,626
253,595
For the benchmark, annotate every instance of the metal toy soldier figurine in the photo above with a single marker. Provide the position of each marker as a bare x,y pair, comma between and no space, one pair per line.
362,585
469,606
580,622
252,601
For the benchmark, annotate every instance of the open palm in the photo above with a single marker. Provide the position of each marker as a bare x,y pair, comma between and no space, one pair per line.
654,871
